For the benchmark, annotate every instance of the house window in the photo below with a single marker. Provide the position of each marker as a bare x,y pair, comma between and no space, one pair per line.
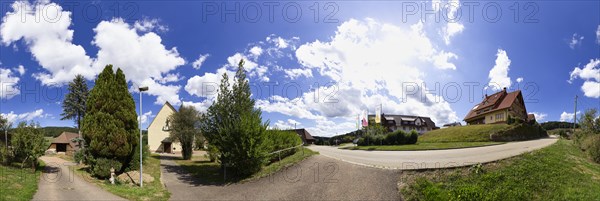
500,116
491,117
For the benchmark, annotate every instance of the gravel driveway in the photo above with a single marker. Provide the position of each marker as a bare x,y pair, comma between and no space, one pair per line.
316,178
59,182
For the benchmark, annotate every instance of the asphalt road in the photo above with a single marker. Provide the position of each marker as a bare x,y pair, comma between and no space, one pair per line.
316,178
433,159
59,182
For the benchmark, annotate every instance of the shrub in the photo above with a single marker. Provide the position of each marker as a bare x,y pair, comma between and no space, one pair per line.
593,148
101,168
5,155
135,161
413,137
278,140
212,153
563,134
79,156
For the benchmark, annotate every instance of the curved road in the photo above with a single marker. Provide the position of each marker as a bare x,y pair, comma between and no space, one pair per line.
59,182
433,159
316,178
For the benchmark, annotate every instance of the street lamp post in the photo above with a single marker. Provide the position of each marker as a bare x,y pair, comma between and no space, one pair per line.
142,89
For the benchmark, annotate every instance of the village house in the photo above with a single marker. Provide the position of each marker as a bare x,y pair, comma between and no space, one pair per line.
159,140
405,123
306,137
498,107
64,143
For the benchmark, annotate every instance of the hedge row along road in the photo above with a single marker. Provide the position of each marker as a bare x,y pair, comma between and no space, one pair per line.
433,159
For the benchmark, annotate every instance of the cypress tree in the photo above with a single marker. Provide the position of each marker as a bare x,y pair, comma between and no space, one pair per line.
111,122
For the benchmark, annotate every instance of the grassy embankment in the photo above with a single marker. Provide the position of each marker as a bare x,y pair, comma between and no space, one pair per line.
19,183
151,191
210,172
559,172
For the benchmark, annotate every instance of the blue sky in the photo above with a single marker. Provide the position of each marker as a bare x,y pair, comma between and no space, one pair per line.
317,70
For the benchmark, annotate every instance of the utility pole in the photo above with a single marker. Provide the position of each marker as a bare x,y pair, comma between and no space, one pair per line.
575,115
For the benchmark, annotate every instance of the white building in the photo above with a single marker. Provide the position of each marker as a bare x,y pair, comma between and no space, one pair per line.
158,132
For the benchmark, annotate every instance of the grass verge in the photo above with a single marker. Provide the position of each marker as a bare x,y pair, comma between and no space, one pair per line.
210,172
470,133
151,191
19,183
558,172
423,146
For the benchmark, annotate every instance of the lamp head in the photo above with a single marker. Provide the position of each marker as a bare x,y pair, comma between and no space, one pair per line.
143,88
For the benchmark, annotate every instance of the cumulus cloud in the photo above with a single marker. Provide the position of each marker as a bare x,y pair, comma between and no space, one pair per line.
256,51
590,73
575,41
540,116
144,118
8,84
49,41
568,117
499,73
198,63
598,35
21,70
27,116
289,124
145,61
519,79
297,72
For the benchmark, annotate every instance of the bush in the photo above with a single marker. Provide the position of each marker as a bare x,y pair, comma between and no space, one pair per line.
212,153
135,160
102,166
593,148
5,155
518,132
413,137
79,156
278,140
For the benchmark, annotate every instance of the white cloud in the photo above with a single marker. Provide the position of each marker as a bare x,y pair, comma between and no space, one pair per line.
21,70
499,73
539,116
575,40
27,116
331,128
49,41
256,51
568,117
144,118
8,84
590,73
206,86
145,61
171,77
289,124
198,63
358,59
147,25
278,41
598,35
200,106
519,79
297,72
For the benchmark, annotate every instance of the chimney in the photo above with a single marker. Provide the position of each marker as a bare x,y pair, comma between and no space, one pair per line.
486,96
504,89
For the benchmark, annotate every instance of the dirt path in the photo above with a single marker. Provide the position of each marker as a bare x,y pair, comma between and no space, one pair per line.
59,182
317,178
433,158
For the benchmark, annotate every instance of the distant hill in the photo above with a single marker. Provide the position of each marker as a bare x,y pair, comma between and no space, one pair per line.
53,131
557,124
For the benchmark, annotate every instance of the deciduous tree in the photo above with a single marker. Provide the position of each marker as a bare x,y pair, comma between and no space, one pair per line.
185,127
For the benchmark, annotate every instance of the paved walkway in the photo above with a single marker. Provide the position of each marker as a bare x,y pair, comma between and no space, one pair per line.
433,159
59,182
316,178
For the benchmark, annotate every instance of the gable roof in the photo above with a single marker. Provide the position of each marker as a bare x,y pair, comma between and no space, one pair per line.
498,101
399,118
65,138
304,134
168,105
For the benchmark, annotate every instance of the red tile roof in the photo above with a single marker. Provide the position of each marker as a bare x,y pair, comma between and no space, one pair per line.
498,101
66,138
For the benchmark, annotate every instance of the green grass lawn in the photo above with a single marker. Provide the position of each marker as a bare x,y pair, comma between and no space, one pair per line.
423,146
559,172
470,133
150,191
210,172
17,183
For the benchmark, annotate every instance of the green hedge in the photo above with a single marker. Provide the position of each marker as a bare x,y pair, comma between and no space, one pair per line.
280,139
398,137
518,132
101,168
